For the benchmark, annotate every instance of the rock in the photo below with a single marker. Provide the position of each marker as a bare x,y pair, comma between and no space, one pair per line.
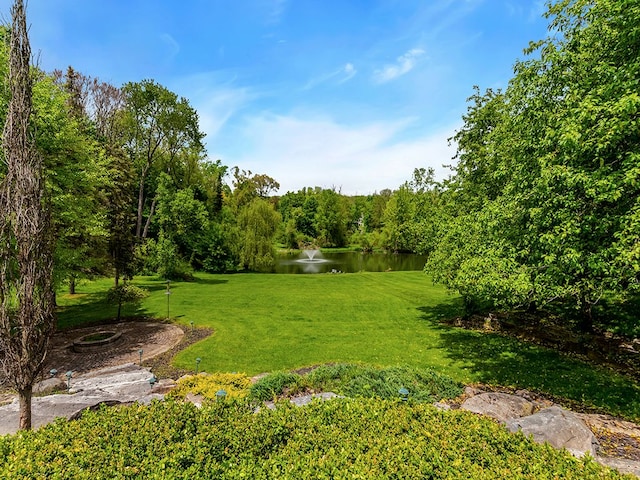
560,428
124,383
442,405
49,385
307,399
471,391
500,406
194,398
164,386
623,465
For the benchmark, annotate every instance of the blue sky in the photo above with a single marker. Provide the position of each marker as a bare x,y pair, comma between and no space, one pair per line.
351,94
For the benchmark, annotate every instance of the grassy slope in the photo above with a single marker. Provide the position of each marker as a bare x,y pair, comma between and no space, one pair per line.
273,322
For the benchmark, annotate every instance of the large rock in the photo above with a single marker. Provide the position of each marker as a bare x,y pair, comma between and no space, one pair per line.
558,427
122,384
49,385
500,406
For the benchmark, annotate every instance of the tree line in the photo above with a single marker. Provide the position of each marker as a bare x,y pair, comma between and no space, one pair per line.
541,207
132,190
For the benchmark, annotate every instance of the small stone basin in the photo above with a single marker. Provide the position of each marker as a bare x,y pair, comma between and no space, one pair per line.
95,341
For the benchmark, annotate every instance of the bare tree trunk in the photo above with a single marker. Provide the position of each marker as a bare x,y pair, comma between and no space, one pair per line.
27,297
25,407
145,232
585,323
140,204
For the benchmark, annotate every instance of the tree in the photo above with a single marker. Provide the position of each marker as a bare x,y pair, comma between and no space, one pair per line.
27,317
258,223
77,178
331,219
550,169
248,186
119,214
158,128
125,293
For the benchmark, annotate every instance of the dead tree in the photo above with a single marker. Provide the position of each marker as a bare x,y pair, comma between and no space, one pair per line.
26,288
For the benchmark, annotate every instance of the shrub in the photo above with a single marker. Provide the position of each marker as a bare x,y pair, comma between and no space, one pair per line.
125,293
236,385
274,385
345,438
424,385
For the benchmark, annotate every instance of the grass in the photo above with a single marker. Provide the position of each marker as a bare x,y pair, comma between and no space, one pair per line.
266,323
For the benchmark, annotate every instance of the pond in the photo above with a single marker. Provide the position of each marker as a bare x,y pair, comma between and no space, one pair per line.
313,261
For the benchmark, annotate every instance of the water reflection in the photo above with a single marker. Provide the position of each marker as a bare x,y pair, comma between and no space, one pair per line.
347,262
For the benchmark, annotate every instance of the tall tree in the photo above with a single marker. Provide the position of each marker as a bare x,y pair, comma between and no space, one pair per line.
331,219
258,222
159,127
550,168
26,244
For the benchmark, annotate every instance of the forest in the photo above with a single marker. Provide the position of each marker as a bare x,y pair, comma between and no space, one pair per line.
541,208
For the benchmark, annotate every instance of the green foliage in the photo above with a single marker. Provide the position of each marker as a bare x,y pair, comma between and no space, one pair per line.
275,384
360,381
544,202
235,385
258,223
126,292
335,439
162,257
424,385
160,133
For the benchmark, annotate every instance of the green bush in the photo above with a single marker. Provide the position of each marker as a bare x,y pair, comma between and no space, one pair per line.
274,385
162,258
343,438
125,293
424,385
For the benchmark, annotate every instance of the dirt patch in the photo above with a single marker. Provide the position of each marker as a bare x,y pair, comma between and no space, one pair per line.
153,338
616,438
158,340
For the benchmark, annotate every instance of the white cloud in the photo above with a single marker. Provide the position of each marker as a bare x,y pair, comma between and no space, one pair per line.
404,64
349,70
342,75
308,152
216,100
173,47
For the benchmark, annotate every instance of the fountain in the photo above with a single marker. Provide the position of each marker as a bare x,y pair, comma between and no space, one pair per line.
310,260
310,256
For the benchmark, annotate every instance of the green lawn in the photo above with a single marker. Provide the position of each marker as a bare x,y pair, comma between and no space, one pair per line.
266,322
